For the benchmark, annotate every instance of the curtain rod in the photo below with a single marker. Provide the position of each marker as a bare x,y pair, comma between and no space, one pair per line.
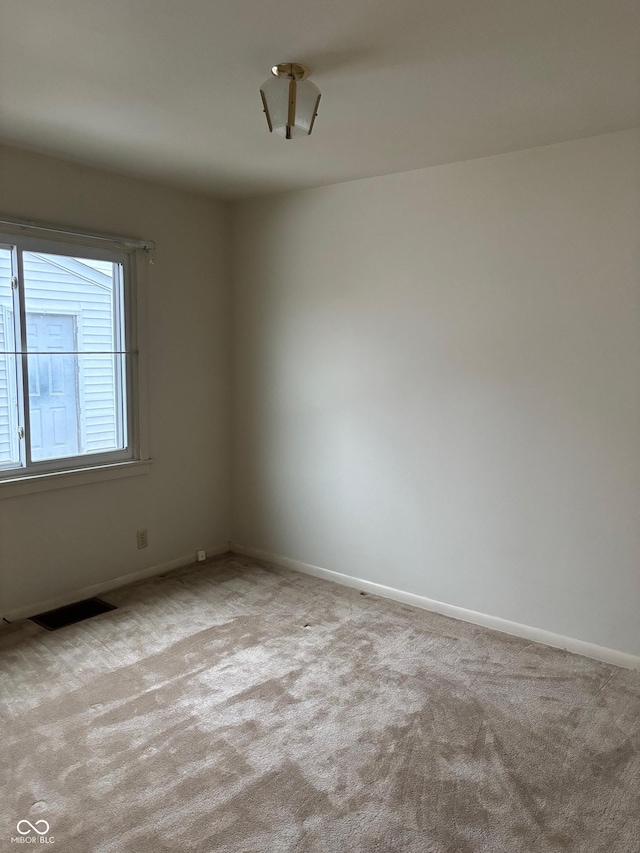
121,242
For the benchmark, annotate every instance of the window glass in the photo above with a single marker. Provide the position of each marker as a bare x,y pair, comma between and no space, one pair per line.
9,418
64,362
74,323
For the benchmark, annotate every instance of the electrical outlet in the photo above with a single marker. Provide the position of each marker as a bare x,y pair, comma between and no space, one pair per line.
201,555
143,541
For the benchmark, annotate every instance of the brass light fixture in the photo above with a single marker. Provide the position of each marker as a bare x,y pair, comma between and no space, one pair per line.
290,101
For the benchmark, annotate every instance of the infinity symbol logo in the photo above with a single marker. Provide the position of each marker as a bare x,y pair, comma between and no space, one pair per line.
30,826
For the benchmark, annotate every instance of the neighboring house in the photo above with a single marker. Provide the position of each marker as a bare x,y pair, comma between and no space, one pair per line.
72,396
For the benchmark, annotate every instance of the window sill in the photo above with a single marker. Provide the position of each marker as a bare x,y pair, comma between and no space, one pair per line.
26,484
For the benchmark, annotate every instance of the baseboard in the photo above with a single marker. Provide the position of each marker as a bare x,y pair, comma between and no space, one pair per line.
113,583
536,635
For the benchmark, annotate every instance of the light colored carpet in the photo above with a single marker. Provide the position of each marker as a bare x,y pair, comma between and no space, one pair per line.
236,708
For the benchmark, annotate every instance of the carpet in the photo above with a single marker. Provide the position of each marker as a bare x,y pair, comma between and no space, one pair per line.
238,707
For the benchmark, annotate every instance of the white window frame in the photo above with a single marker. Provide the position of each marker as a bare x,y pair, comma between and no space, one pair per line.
91,467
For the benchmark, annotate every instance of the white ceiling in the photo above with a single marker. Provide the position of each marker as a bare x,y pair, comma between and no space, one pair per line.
168,89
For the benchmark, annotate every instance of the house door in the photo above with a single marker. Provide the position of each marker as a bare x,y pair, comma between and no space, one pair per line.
53,386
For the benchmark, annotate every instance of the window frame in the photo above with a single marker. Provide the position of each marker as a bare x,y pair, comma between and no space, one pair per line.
134,458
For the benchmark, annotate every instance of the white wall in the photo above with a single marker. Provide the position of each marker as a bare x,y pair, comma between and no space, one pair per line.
59,541
437,383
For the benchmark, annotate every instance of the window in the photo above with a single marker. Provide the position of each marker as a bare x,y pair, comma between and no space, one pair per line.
67,358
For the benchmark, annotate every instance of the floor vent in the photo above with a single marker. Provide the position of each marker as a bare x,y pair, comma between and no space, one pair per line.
63,616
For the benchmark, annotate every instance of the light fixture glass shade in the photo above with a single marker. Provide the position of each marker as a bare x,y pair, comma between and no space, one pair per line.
290,105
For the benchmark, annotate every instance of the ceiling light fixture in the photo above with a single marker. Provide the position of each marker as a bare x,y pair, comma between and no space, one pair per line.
290,101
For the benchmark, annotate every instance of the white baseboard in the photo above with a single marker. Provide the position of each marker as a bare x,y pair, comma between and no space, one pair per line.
536,635
113,583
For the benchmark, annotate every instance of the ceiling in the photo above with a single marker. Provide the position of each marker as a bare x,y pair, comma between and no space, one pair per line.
168,89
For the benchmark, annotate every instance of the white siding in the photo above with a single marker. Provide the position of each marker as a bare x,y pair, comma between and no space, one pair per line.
7,438
68,287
